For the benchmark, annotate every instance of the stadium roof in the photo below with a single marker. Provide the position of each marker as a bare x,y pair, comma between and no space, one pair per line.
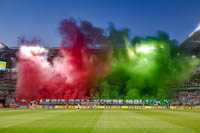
3,47
192,44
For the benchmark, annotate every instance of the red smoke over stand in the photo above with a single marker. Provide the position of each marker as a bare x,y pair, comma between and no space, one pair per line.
72,74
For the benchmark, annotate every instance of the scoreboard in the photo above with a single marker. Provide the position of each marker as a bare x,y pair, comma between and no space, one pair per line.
2,66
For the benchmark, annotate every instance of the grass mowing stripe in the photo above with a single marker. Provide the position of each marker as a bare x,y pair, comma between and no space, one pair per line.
45,118
187,120
127,119
81,119
73,121
25,117
10,112
124,121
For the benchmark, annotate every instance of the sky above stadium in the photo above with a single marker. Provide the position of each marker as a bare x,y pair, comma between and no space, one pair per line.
41,18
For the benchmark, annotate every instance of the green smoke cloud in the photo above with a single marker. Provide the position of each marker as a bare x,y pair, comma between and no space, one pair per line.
144,67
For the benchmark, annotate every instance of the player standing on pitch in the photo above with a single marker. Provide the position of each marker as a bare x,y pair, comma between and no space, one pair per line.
79,107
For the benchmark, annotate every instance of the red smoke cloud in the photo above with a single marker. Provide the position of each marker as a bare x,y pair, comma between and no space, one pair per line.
72,74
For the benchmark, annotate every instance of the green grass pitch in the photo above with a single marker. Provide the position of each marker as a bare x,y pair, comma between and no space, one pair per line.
99,121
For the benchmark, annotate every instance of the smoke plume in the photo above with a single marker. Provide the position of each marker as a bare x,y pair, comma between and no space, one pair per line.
74,73
144,67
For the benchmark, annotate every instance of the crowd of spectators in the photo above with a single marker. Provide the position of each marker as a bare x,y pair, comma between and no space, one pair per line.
187,97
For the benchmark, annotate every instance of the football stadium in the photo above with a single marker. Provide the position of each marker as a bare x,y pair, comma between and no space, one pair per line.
100,80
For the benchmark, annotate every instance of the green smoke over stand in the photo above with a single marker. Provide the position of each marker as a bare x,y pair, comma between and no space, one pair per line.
145,67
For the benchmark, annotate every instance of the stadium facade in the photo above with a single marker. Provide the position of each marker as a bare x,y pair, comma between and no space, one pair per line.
186,94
